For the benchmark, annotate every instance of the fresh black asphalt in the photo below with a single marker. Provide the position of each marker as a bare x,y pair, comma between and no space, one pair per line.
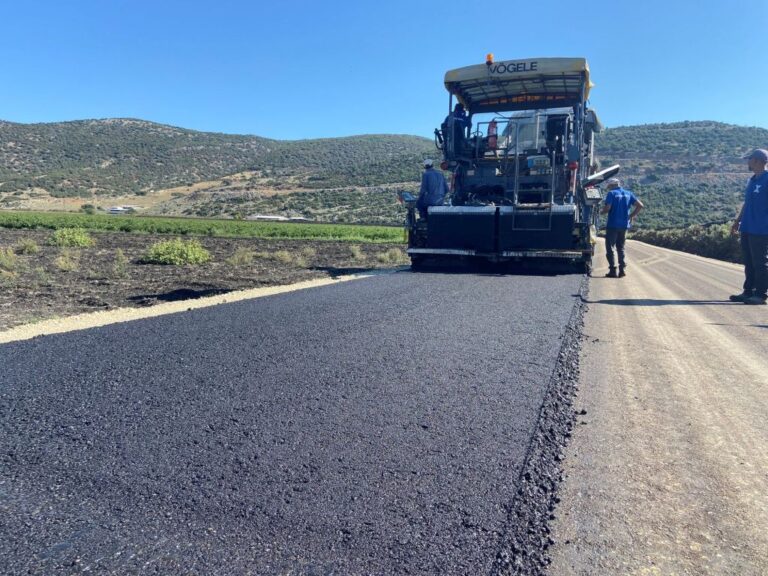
378,426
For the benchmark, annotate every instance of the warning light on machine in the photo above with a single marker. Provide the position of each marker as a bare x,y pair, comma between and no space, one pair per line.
489,59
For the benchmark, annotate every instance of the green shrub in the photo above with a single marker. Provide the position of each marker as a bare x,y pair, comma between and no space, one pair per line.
27,246
177,252
71,238
8,260
713,241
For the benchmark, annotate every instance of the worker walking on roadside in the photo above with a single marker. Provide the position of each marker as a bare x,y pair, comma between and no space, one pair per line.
752,225
433,188
618,203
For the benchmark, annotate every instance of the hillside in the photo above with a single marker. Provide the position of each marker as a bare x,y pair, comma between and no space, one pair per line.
687,173
103,162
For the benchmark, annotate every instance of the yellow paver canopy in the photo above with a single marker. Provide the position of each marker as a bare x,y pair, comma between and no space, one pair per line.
520,84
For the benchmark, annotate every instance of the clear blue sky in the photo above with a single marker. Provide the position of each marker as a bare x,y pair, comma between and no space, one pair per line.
304,69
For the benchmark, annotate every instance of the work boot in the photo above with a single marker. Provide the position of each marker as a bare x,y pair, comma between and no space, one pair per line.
740,297
611,273
622,273
755,300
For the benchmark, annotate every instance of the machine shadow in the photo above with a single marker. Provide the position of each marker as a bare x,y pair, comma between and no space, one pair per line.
497,269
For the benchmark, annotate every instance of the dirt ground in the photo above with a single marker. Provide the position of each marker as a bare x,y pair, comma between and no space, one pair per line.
58,282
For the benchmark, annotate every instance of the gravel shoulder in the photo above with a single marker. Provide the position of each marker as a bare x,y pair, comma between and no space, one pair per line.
666,473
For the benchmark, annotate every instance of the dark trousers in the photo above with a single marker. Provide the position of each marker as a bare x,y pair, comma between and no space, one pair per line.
615,238
754,250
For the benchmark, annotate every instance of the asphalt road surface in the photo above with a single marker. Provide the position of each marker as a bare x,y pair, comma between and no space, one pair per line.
667,472
380,426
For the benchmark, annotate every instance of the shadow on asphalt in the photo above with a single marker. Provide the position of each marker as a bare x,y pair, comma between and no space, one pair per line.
176,295
335,272
652,302
764,326
490,269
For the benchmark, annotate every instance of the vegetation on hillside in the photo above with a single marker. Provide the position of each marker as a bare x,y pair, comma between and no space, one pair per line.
104,157
122,156
372,205
686,173
713,241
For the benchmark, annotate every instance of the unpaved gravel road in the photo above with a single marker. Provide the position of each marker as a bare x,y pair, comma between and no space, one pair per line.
668,473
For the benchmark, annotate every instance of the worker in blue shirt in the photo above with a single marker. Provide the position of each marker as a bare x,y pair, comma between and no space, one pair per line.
752,225
618,203
433,188
456,124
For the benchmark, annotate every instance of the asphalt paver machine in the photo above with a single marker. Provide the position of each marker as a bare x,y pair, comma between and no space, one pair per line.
523,174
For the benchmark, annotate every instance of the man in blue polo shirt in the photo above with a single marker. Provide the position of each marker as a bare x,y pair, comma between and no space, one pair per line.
752,225
433,188
617,205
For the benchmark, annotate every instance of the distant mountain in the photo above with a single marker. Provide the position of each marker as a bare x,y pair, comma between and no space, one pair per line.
687,172
118,156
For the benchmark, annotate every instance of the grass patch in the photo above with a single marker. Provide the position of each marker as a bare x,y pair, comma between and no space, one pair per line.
8,261
68,260
356,253
393,256
41,276
120,264
203,227
26,246
71,238
284,257
241,257
177,252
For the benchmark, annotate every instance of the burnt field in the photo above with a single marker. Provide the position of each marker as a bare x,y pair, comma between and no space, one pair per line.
40,280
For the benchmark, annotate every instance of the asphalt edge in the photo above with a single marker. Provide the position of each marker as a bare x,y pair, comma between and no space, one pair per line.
87,320
523,549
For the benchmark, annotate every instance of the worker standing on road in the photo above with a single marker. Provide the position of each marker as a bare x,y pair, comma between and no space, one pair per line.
433,188
752,224
617,205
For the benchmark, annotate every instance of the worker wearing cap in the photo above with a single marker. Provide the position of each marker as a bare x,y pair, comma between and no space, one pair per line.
457,123
433,188
618,203
752,225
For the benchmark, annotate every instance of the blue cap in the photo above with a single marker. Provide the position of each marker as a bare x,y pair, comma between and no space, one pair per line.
758,154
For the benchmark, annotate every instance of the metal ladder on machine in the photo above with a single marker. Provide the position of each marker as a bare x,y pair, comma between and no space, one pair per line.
516,189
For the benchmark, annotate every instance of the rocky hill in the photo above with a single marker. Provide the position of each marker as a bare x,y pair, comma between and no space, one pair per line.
688,172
